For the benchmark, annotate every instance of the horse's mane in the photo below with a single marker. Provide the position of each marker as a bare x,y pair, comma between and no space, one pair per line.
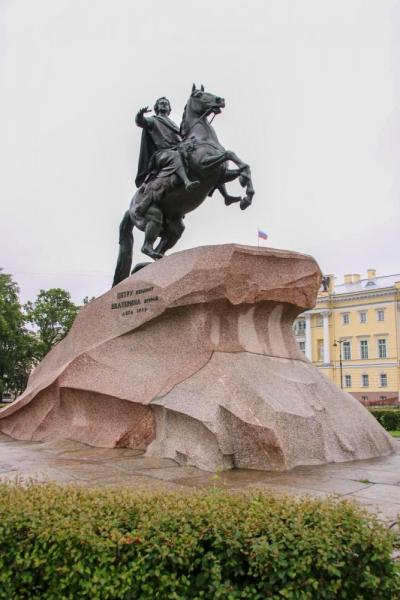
183,122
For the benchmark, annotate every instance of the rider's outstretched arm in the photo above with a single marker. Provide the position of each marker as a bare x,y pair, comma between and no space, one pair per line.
141,120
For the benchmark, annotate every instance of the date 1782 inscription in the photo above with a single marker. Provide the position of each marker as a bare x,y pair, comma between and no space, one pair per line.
137,301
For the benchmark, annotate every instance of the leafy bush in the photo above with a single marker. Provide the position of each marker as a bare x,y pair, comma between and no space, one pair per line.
70,542
389,418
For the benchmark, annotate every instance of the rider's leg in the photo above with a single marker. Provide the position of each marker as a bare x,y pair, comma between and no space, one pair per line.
173,231
181,172
152,231
189,185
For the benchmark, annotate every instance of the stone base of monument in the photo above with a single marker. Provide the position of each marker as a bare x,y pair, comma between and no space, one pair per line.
193,358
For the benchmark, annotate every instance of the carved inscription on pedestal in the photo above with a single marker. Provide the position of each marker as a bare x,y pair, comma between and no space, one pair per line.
135,301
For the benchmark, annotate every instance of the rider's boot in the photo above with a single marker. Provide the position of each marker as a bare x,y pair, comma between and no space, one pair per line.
189,185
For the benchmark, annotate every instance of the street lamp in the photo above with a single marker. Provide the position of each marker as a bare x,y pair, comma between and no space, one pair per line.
339,343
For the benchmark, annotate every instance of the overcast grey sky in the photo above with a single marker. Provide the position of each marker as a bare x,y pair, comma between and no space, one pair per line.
312,92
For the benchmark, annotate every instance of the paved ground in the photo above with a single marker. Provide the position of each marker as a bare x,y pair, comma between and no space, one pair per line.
373,483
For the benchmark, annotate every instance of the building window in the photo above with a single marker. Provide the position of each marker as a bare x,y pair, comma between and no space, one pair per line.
383,379
383,398
347,381
382,349
364,398
300,326
345,318
380,315
364,349
363,317
365,380
302,346
320,321
346,350
320,349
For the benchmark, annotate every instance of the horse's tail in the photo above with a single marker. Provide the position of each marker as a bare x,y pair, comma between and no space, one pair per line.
124,261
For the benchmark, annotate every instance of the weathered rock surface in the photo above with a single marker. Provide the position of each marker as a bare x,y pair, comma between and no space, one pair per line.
193,358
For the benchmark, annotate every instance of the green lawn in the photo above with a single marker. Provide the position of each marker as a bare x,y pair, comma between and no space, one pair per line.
395,433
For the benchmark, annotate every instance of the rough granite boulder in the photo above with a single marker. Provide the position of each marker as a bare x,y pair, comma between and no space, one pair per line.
193,358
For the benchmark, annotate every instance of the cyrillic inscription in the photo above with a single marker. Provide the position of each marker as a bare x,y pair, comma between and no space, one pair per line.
134,302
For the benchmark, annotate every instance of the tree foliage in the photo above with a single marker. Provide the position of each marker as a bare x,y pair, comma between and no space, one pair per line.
52,315
28,332
388,417
17,344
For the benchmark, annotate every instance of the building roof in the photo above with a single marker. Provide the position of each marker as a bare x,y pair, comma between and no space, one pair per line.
373,283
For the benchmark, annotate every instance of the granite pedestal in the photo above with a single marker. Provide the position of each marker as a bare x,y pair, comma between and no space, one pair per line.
193,358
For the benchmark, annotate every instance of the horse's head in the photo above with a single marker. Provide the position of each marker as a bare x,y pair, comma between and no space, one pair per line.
202,102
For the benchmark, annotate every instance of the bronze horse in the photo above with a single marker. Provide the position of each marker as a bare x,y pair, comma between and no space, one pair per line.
167,200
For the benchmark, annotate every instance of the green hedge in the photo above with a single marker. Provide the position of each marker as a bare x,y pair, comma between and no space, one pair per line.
70,542
389,418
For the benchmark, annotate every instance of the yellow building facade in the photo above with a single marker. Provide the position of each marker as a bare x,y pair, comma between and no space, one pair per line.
353,335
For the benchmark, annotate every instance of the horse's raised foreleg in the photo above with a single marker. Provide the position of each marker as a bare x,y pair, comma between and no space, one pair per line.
244,178
244,173
215,159
229,175
226,196
124,261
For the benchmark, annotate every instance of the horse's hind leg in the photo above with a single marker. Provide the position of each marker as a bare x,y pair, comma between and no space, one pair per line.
124,261
152,232
173,231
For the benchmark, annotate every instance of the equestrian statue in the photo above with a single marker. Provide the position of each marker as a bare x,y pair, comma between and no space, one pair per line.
178,169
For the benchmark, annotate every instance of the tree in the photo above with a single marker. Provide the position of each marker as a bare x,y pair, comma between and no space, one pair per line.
52,315
17,344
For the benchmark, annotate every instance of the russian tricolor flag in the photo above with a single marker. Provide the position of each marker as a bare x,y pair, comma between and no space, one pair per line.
262,234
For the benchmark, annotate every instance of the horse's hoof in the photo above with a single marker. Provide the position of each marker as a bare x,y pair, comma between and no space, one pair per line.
232,199
152,253
245,203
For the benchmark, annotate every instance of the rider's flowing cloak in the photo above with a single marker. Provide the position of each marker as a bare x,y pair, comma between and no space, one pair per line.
147,149
163,133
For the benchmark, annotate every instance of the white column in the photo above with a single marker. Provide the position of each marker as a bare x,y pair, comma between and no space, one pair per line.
327,345
308,337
